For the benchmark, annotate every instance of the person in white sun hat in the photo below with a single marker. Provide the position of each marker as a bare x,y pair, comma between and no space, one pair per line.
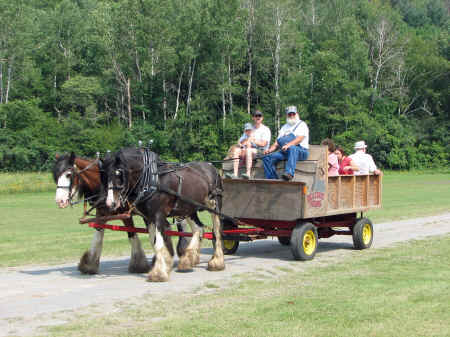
363,160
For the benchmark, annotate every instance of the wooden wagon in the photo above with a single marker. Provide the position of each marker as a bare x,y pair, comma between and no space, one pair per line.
300,212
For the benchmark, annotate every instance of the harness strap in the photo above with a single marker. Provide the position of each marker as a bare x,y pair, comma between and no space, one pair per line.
180,184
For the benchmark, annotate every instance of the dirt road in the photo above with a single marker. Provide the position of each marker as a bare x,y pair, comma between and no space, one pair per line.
33,297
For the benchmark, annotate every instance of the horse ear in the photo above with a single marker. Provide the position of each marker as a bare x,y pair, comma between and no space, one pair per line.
117,159
72,158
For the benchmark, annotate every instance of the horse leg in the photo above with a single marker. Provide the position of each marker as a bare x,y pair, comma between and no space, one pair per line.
138,261
191,256
163,260
183,241
217,261
90,261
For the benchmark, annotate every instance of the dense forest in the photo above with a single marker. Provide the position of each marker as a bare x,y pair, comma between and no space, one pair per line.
97,75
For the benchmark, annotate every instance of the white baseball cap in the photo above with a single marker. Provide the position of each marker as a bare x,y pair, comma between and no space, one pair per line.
360,145
248,126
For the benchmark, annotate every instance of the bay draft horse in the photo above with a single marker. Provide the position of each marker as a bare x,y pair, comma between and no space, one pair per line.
77,178
197,181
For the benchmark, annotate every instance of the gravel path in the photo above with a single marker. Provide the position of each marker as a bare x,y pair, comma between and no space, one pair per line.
33,297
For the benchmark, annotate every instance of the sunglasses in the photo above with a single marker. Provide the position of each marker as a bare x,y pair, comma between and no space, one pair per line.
257,116
291,114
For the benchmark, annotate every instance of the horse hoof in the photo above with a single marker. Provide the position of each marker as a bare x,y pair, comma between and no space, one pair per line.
195,260
139,268
153,277
86,266
184,264
214,265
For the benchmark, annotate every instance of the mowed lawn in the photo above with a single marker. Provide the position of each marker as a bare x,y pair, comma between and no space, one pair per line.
33,230
401,291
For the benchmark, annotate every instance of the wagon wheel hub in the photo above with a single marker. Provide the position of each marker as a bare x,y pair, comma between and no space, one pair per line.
309,242
366,234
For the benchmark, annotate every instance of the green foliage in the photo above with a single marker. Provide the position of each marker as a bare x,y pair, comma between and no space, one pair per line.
93,76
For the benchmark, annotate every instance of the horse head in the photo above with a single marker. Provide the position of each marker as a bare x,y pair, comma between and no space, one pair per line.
65,179
123,173
75,177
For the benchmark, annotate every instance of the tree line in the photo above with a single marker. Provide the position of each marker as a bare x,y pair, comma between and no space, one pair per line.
97,75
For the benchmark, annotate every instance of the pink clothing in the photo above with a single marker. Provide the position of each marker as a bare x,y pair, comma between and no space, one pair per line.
333,165
345,162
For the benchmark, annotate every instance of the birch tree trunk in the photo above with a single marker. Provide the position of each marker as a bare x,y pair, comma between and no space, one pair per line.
8,83
383,49
192,70
178,94
230,93
138,68
1,83
164,101
250,24
224,110
130,124
278,22
54,94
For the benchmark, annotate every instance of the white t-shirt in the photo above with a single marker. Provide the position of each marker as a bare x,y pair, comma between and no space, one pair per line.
261,133
301,130
364,161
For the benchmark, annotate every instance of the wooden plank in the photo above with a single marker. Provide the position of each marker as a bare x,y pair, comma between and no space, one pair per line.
346,200
333,188
338,192
367,190
354,192
351,210
263,199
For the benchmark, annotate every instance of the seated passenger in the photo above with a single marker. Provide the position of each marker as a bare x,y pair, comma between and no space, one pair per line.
346,164
293,142
363,161
333,165
254,141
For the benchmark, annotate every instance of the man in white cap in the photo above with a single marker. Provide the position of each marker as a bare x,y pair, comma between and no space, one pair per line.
293,141
363,160
254,141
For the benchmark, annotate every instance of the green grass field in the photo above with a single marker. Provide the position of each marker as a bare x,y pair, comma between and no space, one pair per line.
397,291
26,182
33,230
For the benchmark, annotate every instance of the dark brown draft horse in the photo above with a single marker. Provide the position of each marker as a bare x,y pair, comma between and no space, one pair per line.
138,177
77,178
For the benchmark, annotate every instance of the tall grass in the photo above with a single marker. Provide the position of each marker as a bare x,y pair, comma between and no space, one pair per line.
26,182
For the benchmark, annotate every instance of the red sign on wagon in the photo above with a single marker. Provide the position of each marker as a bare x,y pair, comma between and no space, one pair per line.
315,199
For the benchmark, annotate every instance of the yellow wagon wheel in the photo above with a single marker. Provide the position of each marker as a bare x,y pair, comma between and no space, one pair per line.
304,241
230,246
362,234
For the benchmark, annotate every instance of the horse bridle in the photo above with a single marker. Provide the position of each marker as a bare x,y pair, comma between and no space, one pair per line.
75,172
122,189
